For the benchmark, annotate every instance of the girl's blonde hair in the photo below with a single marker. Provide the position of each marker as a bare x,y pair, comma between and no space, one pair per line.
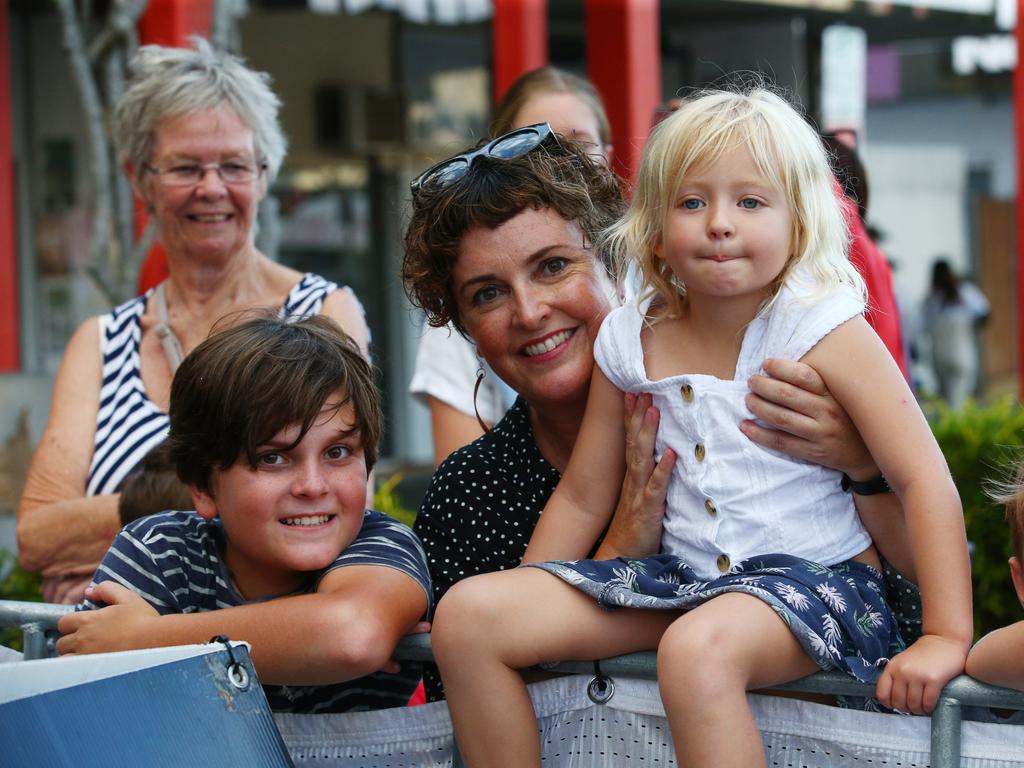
787,151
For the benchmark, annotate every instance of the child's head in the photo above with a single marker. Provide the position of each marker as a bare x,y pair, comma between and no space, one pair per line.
1015,517
153,487
1012,495
789,157
275,425
243,385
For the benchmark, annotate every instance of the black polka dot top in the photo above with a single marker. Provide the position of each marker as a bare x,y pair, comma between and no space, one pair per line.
481,507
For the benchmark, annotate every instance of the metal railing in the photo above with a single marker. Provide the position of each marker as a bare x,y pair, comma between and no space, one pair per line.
38,622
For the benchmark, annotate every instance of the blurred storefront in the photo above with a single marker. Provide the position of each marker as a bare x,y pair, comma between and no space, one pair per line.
375,90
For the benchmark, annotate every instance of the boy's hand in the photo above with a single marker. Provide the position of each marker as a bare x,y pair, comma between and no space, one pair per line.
393,666
121,626
420,628
913,680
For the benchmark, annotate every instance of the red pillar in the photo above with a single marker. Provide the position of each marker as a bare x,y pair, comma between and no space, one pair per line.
10,324
171,23
1018,114
624,62
519,40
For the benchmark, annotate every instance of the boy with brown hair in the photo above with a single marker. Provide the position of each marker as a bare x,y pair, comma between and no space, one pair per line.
998,658
274,425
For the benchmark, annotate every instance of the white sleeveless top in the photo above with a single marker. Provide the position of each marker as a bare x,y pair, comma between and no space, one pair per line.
729,498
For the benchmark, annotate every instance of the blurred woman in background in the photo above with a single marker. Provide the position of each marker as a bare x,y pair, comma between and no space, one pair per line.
953,312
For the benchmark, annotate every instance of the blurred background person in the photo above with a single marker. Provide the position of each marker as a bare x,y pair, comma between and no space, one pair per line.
953,312
882,313
198,135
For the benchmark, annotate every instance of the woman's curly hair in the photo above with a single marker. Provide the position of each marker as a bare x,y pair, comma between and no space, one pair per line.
561,177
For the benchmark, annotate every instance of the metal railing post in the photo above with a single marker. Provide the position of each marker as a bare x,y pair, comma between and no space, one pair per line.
34,637
38,623
946,721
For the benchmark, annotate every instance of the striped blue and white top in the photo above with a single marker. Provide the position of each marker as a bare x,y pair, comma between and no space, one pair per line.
128,424
174,561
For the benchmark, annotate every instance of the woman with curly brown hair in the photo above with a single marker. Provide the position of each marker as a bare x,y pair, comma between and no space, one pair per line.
445,364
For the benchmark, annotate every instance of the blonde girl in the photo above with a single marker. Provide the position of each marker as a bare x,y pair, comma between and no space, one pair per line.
766,573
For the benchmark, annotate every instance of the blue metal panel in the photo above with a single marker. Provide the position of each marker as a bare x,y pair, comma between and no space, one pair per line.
193,712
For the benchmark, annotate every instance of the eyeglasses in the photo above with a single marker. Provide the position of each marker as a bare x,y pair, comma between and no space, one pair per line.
190,174
513,144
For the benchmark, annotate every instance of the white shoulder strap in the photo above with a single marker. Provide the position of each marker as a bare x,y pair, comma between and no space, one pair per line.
169,342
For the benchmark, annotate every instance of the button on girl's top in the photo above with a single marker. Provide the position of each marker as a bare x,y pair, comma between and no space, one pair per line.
728,494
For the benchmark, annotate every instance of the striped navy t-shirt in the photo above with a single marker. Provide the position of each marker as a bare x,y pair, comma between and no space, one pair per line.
128,424
174,561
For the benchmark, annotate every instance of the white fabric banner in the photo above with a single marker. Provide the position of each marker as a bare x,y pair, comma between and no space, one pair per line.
631,730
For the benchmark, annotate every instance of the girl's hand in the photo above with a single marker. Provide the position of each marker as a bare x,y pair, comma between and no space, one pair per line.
125,624
913,680
806,422
635,530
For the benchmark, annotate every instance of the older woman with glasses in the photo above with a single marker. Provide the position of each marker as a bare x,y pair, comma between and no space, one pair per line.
198,134
505,243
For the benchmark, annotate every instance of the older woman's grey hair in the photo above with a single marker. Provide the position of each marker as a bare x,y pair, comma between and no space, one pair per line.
167,83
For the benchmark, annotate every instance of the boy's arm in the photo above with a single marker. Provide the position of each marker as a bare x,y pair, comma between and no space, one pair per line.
582,504
349,628
864,379
372,594
998,658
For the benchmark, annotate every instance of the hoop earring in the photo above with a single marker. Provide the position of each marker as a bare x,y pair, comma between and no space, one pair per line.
480,374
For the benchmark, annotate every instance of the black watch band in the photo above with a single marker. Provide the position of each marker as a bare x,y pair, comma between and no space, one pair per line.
870,487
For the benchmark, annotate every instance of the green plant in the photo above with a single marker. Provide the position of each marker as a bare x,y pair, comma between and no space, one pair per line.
386,500
16,584
982,443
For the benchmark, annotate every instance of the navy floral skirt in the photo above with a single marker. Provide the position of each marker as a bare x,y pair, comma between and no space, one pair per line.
838,613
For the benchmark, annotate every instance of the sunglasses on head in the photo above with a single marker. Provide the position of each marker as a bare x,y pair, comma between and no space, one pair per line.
513,144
